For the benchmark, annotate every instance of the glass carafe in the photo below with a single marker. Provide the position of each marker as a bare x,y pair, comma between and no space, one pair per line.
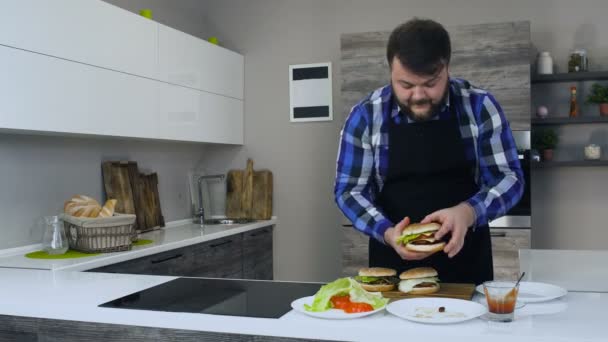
54,240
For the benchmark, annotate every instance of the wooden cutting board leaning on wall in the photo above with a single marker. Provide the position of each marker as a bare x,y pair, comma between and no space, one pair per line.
135,193
249,193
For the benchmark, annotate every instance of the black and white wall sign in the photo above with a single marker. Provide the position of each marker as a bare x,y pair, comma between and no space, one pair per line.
310,92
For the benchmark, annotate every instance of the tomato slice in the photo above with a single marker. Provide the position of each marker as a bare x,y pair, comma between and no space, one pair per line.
340,302
358,307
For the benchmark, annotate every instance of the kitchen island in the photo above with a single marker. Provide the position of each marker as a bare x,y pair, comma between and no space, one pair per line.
50,305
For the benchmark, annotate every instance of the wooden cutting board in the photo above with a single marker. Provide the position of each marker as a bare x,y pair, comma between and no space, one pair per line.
249,193
117,185
151,201
135,193
446,290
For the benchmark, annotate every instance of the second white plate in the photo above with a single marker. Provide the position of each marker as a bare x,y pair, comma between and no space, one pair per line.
532,292
426,310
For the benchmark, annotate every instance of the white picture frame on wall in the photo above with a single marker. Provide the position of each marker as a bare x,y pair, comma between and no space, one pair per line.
310,92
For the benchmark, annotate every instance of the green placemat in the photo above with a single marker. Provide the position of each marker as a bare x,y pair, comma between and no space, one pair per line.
72,254
142,242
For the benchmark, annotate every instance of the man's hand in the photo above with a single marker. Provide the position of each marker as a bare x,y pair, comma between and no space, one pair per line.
456,220
391,235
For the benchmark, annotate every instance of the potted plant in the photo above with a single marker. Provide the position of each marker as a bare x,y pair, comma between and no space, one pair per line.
599,95
545,141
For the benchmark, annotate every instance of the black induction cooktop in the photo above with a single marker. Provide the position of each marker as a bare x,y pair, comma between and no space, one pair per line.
232,297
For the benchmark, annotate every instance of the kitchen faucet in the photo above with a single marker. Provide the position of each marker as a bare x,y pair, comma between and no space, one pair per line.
199,216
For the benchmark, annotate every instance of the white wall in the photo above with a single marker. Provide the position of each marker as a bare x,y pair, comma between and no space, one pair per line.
273,34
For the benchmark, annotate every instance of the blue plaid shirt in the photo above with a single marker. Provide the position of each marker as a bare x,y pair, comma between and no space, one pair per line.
362,163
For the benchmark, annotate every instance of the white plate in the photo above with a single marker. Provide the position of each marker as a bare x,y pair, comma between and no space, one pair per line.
298,305
531,292
426,310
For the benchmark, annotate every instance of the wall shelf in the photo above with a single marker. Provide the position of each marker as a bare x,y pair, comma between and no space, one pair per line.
573,163
571,77
570,121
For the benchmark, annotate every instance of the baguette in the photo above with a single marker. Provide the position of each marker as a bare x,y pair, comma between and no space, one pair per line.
108,208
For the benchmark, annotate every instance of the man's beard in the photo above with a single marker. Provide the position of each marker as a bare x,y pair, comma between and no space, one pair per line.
428,115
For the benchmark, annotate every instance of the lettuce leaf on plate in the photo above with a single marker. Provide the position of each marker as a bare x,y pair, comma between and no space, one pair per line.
341,287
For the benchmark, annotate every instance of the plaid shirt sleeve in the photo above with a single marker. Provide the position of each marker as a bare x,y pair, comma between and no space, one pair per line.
354,188
501,176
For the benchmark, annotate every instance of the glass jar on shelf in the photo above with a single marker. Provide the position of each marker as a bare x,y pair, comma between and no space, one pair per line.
578,61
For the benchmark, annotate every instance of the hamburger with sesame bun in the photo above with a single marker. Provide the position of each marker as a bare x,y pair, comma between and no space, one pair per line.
377,279
421,237
420,280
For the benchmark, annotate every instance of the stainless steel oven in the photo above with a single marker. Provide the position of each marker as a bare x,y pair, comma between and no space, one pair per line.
519,216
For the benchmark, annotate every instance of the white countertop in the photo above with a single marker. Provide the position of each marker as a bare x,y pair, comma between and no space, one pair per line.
175,235
76,296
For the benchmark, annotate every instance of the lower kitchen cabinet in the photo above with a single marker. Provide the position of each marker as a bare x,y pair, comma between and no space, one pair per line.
166,263
240,256
257,254
506,244
221,258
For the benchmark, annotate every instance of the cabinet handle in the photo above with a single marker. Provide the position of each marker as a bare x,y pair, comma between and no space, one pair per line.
221,244
166,259
498,234
259,233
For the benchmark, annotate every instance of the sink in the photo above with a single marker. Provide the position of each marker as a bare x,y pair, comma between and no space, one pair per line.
229,221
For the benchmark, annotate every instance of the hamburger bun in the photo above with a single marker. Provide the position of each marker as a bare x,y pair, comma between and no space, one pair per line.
423,290
417,228
418,272
431,248
378,287
377,272
420,280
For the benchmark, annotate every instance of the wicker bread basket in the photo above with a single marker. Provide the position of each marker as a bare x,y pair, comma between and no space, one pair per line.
100,235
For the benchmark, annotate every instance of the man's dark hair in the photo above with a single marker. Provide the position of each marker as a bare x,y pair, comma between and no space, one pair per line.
421,45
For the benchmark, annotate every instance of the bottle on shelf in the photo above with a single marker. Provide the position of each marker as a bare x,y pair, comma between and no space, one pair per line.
573,105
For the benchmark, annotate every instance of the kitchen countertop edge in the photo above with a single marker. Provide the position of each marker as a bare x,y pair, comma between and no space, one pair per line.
15,259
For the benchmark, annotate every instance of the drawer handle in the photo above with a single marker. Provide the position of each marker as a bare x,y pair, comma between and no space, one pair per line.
221,244
498,234
166,259
259,233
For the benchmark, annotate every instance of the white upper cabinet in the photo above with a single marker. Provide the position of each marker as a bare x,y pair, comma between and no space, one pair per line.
91,32
42,94
192,62
88,67
194,115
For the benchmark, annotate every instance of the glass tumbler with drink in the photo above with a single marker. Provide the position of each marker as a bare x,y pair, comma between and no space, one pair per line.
501,297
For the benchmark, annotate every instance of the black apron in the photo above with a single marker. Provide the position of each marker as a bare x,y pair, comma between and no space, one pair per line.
427,171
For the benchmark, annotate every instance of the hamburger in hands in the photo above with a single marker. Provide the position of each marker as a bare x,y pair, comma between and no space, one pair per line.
420,280
377,279
419,237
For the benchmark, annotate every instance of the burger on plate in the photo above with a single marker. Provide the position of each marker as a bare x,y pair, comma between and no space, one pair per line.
421,237
377,279
420,280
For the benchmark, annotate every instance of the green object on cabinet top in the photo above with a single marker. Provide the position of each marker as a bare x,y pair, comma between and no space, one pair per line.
72,254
